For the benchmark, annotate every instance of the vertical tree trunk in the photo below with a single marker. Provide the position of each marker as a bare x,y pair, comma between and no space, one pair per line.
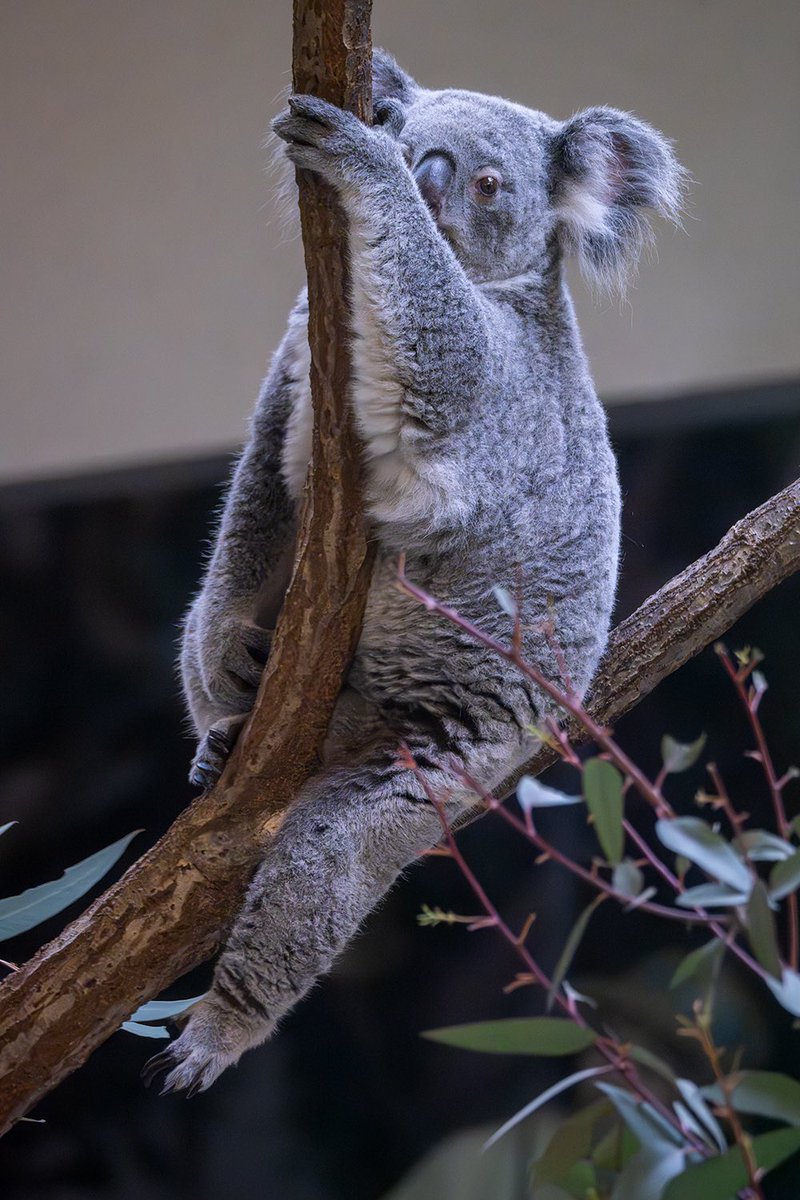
170,910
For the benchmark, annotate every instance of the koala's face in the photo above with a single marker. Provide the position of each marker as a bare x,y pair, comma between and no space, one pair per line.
510,188
481,165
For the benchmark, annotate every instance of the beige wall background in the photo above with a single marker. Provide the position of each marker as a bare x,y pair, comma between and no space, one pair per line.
146,277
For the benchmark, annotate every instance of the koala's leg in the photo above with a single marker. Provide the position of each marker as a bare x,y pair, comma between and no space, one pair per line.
343,843
227,631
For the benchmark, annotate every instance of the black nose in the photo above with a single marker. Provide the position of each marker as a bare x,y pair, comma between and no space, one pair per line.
434,176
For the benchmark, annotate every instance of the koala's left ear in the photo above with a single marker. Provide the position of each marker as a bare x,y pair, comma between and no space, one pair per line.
606,168
389,80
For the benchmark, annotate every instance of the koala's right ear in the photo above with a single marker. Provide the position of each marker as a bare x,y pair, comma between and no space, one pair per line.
389,80
607,168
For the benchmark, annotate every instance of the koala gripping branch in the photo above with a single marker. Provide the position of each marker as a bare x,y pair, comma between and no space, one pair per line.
171,908
168,912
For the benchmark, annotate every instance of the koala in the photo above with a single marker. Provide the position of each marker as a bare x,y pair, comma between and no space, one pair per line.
487,463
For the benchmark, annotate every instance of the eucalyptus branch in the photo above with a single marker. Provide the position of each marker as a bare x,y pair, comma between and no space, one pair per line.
751,702
614,1054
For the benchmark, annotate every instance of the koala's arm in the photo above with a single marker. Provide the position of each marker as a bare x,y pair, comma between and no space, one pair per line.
227,630
423,320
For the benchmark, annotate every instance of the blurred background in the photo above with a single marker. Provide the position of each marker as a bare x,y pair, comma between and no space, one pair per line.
146,274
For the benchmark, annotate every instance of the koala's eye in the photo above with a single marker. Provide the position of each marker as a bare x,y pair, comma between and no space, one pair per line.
486,184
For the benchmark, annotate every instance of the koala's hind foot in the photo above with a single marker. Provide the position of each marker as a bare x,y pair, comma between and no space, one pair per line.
213,751
211,1041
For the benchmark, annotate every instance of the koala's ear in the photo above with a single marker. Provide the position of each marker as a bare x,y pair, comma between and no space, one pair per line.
607,167
389,80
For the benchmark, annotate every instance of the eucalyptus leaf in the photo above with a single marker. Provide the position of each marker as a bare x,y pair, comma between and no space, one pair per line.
147,1031
547,1036
784,877
761,930
722,1177
570,948
647,1125
646,1058
711,895
706,848
647,1174
5,828
162,1010
679,756
690,1123
562,1086
762,846
787,990
29,908
571,1141
694,1098
762,1094
702,959
602,790
627,878
532,794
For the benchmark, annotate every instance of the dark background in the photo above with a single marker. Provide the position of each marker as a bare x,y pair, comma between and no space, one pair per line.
94,575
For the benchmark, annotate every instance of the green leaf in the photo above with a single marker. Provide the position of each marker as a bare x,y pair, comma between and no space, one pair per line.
763,1094
532,794
5,828
762,846
549,1036
148,1031
787,990
542,1099
571,1141
29,908
784,877
647,1125
679,756
627,878
570,947
646,1058
722,1177
161,1010
693,1096
602,790
702,959
710,895
615,1149
648,1173
761,930
706,848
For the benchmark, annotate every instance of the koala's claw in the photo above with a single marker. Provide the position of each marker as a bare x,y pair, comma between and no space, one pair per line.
210,1042
213,752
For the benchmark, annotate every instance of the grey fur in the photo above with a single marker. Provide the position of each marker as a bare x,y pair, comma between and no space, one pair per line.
488,463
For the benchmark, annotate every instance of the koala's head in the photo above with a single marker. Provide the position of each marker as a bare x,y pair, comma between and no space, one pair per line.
510,188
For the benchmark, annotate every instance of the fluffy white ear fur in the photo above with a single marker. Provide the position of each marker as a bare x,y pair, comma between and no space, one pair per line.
608,168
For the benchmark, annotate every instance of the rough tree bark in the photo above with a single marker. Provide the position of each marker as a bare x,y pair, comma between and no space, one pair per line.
171,908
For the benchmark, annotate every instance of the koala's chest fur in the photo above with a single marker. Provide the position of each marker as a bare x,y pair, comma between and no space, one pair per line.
404,488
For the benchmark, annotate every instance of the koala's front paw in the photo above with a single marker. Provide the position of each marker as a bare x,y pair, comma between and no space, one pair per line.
213,751
323,138
232,657
212,1040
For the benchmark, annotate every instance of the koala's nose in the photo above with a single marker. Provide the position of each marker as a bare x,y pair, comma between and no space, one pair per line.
434,176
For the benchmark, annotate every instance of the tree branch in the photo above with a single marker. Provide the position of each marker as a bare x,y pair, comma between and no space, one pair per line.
171,908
